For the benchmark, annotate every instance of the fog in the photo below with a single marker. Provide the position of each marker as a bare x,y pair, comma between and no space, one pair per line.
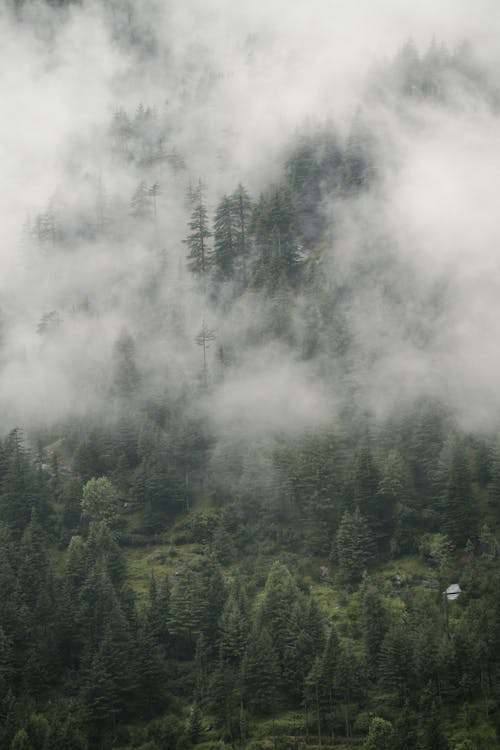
230,88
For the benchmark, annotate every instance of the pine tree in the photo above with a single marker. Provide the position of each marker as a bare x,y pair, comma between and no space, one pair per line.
142,205
158,612
376,622
260,673
458,506
280,596
6,664
273,227
397,671
434,737
99,696
126,375
242,210
494,485
349,683
353,546
321,687
199,233
394,488
299,653
225,247
405,730
225,697
233,632
149,672
365,487
18,486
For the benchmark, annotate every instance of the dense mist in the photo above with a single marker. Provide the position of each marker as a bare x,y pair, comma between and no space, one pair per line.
101,97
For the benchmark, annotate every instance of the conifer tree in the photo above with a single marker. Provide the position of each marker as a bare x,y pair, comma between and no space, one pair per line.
366,481
142,205
396,661
458,506
242,207
158,612
199,233
225,247
280,595
126,375
353,547
376,622
260,672
233,632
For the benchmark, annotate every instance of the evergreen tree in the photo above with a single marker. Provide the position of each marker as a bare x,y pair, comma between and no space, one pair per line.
353,546
322,683
394,490
233,632
158,613
365,486
242,210
349,683
18,486
396,661
159,480
225,247
433,735
376,622
458,507
199,233
260,672
126,376
405,730
225,697
299,653
142,205
91,459
99,696
150,675
494,470
273,227
280,595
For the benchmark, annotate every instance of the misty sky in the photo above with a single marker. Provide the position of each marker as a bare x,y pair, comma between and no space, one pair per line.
234,83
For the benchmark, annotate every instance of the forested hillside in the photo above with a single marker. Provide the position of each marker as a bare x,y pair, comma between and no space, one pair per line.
250,438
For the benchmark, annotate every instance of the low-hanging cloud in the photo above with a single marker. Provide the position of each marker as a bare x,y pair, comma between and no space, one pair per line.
230,86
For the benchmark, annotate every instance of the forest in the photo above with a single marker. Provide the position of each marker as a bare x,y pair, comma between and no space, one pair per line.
250,418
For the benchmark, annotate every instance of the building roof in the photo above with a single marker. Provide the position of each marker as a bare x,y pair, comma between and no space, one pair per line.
453,591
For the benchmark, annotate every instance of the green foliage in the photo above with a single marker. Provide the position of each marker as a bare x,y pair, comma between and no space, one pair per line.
215,617
21,741
260,670
280,595
274,231
199,232
458,508
21,486
380,736
353,548
231,235
99,501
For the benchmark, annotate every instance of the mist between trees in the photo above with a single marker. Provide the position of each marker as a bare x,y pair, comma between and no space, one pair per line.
248,375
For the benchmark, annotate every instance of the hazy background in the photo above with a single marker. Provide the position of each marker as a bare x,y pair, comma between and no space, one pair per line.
231,86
